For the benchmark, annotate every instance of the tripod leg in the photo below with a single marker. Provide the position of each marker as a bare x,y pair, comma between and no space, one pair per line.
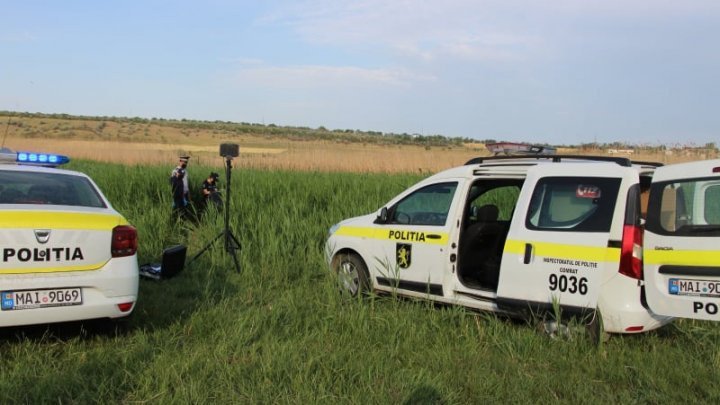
233,252
232,246
231,237
203,250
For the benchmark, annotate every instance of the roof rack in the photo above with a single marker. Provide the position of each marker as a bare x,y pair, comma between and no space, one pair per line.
625,162
645,163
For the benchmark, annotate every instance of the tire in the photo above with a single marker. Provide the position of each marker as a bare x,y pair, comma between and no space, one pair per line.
595,330
352,274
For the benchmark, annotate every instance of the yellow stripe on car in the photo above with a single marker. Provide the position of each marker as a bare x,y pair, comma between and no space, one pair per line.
59,220
84,267
400,235
682,257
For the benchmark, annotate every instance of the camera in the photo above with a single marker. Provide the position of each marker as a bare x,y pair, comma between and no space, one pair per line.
229,150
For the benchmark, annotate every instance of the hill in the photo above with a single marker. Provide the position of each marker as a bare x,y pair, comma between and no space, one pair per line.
159,141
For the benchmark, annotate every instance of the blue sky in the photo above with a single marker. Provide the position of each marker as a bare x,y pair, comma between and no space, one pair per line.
561,72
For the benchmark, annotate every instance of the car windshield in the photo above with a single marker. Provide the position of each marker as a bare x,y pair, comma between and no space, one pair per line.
27,187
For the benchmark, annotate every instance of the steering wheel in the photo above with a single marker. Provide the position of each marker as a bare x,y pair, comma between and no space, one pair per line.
402,218
429,218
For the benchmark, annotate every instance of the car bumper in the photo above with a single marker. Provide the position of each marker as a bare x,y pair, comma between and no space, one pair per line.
622,309
103,291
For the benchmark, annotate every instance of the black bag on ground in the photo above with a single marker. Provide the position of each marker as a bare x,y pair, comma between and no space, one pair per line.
173,262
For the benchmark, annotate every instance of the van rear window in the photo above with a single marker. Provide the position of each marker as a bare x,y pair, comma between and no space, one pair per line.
20,187
573,204
685,208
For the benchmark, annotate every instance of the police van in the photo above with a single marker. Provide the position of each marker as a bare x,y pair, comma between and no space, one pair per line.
624,245
65,253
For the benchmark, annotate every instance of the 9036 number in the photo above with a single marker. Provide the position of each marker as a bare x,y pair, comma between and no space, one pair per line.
569,284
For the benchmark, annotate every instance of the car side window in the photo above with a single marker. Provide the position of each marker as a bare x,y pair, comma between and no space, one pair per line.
685,208
504,197
711,205
576,204
427,206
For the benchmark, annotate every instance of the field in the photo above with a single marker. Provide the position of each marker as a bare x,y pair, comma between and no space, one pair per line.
279,332
268,147
158,142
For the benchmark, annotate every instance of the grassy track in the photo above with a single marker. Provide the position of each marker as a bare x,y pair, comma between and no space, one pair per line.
280,333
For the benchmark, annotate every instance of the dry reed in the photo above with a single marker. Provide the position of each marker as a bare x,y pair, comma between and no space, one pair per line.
153,144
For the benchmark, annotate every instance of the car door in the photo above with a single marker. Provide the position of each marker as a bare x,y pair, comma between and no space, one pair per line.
559,242
417,233
682,241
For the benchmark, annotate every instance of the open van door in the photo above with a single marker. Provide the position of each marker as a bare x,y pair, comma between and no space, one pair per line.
682,241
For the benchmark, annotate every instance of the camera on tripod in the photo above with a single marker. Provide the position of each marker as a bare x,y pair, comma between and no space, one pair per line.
227,151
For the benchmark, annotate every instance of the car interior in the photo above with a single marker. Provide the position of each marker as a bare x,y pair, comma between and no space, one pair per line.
485,226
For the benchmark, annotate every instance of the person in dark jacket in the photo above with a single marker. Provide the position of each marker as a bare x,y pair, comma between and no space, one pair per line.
180,188
210,191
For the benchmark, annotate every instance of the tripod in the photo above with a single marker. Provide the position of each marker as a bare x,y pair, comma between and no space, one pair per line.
231,243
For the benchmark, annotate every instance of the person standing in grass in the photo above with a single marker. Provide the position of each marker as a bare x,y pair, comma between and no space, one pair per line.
180,187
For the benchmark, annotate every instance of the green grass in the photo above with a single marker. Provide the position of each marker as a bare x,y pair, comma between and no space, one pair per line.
279,332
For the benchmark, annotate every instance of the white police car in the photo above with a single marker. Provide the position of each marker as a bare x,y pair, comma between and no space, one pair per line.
534,234
65,253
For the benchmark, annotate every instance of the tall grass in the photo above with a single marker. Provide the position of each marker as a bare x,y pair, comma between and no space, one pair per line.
280,332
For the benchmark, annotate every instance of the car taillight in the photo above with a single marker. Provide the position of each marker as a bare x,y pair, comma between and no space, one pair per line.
631,252
125,306
631,246
124,241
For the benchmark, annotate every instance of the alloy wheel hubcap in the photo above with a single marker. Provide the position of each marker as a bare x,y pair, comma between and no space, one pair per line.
349,277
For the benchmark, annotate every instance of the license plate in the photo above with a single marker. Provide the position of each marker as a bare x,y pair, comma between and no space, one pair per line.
703,288
31,299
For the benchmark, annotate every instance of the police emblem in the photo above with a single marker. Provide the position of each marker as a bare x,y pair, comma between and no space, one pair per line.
403,255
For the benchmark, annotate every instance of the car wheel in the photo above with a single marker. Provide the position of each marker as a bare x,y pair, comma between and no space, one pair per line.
353,278
594,327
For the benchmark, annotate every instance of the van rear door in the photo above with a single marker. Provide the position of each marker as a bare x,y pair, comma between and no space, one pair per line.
682,241
560,242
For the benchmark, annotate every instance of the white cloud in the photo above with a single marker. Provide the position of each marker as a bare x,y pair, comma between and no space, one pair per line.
638,8
243,61
17,37
427,30
316,76
474,30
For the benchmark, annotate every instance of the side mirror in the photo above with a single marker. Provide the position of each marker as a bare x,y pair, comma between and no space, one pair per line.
382,216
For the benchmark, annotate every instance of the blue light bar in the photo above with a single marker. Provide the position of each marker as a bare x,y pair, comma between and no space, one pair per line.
41,159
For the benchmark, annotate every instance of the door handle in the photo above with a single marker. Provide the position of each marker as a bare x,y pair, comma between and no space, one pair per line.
528,253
